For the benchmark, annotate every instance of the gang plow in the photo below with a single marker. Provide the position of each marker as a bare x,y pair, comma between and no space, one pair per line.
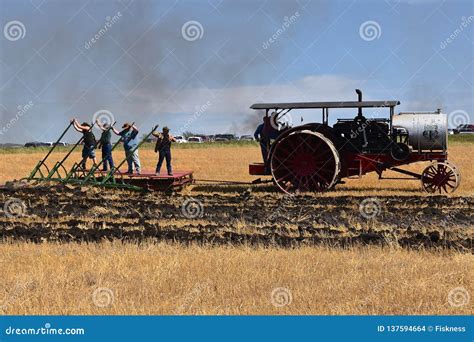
114,178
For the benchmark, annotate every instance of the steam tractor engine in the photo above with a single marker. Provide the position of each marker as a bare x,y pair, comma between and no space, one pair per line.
315,156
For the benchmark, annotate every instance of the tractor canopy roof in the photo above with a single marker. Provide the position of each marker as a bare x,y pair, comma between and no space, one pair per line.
338,104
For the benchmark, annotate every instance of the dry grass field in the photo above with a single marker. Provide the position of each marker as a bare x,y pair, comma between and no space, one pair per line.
172,279
231,163
86,251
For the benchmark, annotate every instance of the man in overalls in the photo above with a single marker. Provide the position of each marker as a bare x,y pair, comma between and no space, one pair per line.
163,147
106,145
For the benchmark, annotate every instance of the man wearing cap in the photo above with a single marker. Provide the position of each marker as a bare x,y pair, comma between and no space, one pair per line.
106,145
88,149
163,147
129,137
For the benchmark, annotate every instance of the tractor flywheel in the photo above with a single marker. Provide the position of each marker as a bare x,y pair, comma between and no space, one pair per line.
305,161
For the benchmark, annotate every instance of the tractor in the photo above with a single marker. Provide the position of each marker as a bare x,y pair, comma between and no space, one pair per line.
314,157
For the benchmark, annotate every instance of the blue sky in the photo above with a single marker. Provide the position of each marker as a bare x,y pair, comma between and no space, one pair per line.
146,67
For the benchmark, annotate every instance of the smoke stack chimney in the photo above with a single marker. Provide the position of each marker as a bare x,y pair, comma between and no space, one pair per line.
359,98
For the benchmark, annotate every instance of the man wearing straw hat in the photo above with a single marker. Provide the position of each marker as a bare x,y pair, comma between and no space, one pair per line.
129,136
88,149
163,147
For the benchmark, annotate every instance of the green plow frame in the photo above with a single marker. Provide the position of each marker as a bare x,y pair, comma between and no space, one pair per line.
42,163
60,164
77,175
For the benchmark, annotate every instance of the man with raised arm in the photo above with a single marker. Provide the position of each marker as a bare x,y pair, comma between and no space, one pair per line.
163,147
88,149
129,137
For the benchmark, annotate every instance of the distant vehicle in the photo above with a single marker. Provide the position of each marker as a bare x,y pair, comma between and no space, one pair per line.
464,129
195,139
450,131
224,137
180,139
34,144
203,137
246,137
47,144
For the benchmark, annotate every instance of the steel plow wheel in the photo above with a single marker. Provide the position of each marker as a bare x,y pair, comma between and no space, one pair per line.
440,177
305,161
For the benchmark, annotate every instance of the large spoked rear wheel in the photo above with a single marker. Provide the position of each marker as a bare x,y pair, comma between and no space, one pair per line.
440,177
305,161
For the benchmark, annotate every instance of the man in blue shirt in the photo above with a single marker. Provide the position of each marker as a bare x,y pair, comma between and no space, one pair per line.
258,135
129,137
266,133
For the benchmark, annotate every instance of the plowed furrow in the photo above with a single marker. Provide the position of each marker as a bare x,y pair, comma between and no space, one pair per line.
90,214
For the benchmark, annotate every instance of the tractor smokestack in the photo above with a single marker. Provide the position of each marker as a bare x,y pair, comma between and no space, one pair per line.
359,98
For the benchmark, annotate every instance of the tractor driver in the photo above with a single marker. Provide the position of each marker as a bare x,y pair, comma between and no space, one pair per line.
265,133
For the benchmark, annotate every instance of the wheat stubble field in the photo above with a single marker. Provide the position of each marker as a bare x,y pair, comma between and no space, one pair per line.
250,251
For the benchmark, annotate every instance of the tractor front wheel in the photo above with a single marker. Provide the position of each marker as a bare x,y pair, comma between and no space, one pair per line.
440,177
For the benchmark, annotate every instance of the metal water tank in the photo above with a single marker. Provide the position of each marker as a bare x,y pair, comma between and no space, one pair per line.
426,131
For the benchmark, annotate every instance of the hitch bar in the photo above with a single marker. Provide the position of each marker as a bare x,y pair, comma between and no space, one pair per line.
405,172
